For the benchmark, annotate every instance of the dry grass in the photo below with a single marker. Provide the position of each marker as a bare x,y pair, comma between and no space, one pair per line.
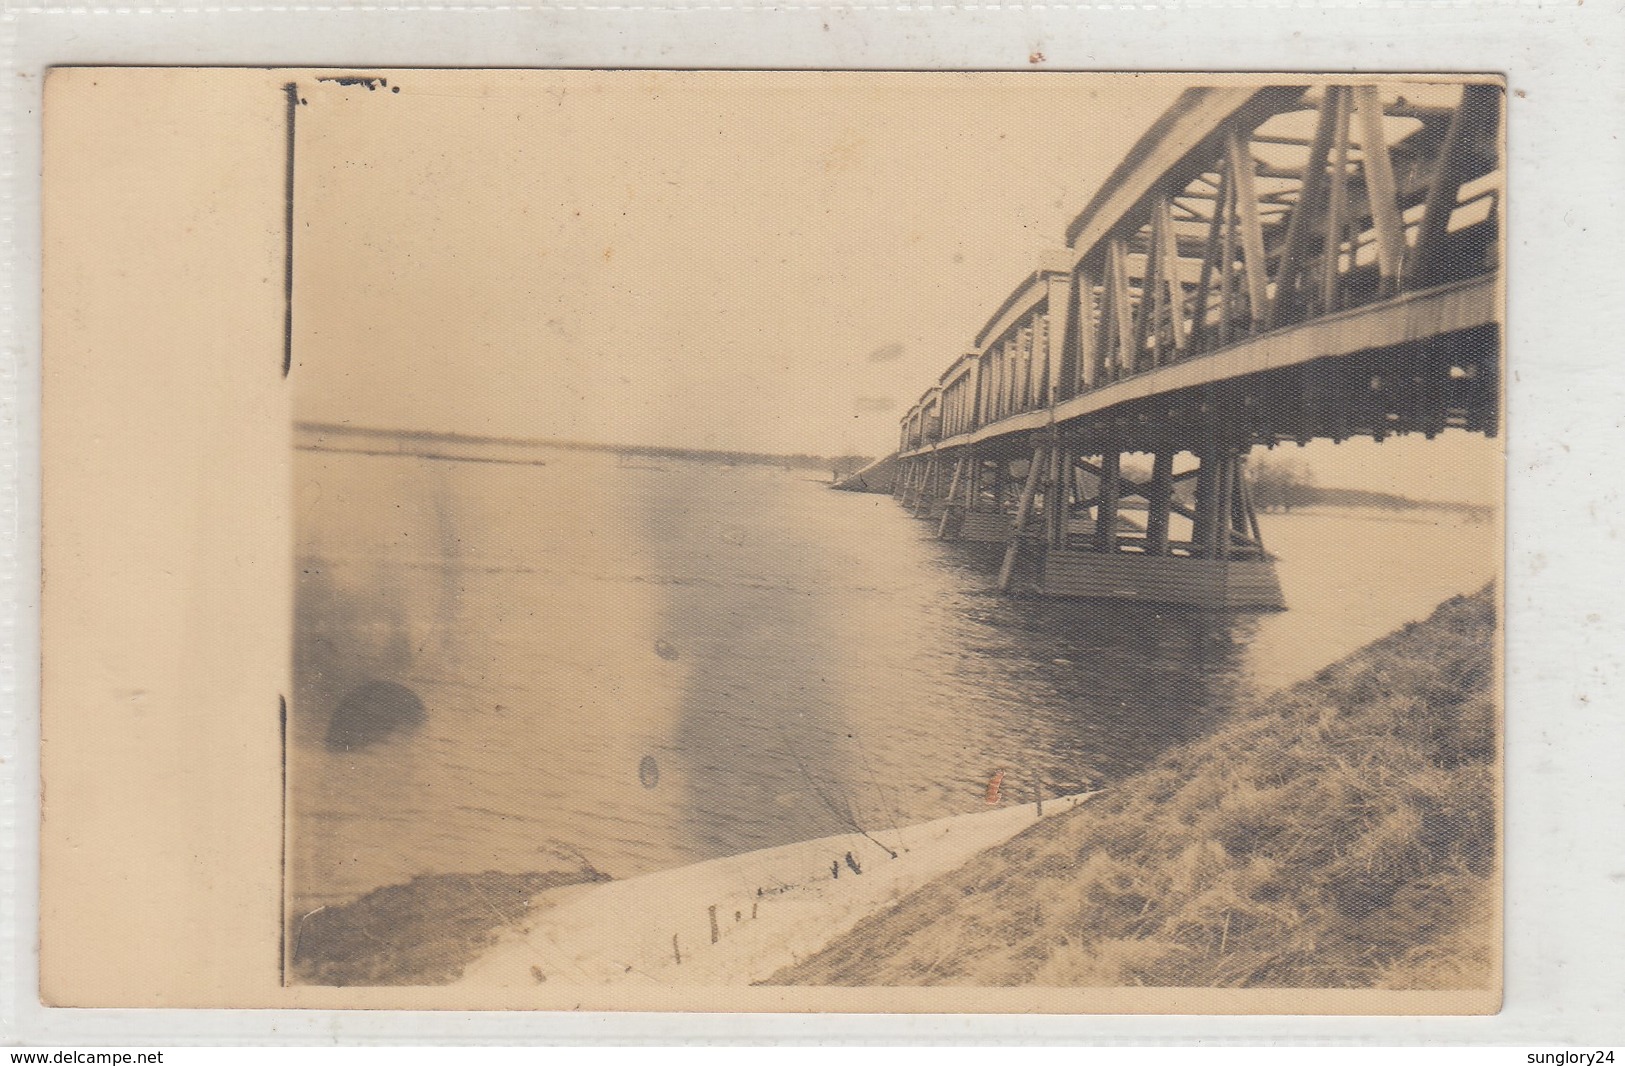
1340,834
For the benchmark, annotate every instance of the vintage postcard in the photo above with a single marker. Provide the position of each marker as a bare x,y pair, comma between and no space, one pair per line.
811,540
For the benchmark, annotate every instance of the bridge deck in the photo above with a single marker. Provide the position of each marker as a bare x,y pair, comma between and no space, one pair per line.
1250,231
1405,319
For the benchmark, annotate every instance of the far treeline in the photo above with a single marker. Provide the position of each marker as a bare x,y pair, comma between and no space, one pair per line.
1284,484
839,466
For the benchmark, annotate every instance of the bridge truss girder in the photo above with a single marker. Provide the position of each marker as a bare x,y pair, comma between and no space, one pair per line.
1274,264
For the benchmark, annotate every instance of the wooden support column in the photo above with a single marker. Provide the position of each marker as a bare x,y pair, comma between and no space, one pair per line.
1300,226
923,501
979,411
1227,257
1061,347
1338,208
1037,368
1201,336
1148,327
1162,495
1105,346
1122,311
1443,189
1478,112
1012,355
1083,331
1012,375
1055,497
952,499
1042,372
1207,494
1252,520
1168,251
1001,360
1219,523
1238,500
1035,469
1247,514
1111,468
1379,181
1252,227
993,408
973,396
1026,345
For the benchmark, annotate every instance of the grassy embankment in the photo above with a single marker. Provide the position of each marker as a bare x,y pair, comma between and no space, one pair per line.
1342,833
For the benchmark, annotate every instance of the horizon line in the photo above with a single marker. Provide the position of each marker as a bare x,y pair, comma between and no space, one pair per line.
452,436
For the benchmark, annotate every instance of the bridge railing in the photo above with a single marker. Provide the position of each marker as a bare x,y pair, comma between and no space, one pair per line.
1241,212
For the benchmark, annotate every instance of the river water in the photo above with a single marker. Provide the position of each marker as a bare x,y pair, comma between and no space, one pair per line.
651,662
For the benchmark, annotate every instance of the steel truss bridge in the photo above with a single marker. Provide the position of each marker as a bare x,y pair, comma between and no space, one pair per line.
1273,264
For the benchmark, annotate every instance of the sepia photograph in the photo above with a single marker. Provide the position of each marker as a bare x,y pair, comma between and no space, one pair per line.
804,541
894,530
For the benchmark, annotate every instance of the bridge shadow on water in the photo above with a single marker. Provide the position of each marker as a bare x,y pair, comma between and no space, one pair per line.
1130,680
816,702
1120,682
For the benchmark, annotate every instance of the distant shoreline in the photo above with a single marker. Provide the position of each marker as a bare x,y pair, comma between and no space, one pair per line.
316,437
1317,496
313,436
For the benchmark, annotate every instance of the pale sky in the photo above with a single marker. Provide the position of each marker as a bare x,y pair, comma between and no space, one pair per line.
775,262
676,258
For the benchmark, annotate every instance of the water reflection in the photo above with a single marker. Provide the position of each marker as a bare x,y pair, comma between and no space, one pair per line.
761,749
1129,680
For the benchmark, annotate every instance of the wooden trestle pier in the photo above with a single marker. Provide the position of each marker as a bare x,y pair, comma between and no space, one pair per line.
1266,265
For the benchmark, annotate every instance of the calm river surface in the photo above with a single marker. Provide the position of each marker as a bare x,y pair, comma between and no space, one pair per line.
652,662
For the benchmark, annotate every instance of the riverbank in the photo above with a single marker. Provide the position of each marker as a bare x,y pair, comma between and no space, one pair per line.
728,921
736,920
1341,833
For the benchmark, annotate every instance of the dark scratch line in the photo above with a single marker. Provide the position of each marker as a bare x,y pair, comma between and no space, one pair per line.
292,91
282,936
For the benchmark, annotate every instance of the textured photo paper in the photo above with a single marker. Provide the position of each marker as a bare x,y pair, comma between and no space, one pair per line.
828,541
